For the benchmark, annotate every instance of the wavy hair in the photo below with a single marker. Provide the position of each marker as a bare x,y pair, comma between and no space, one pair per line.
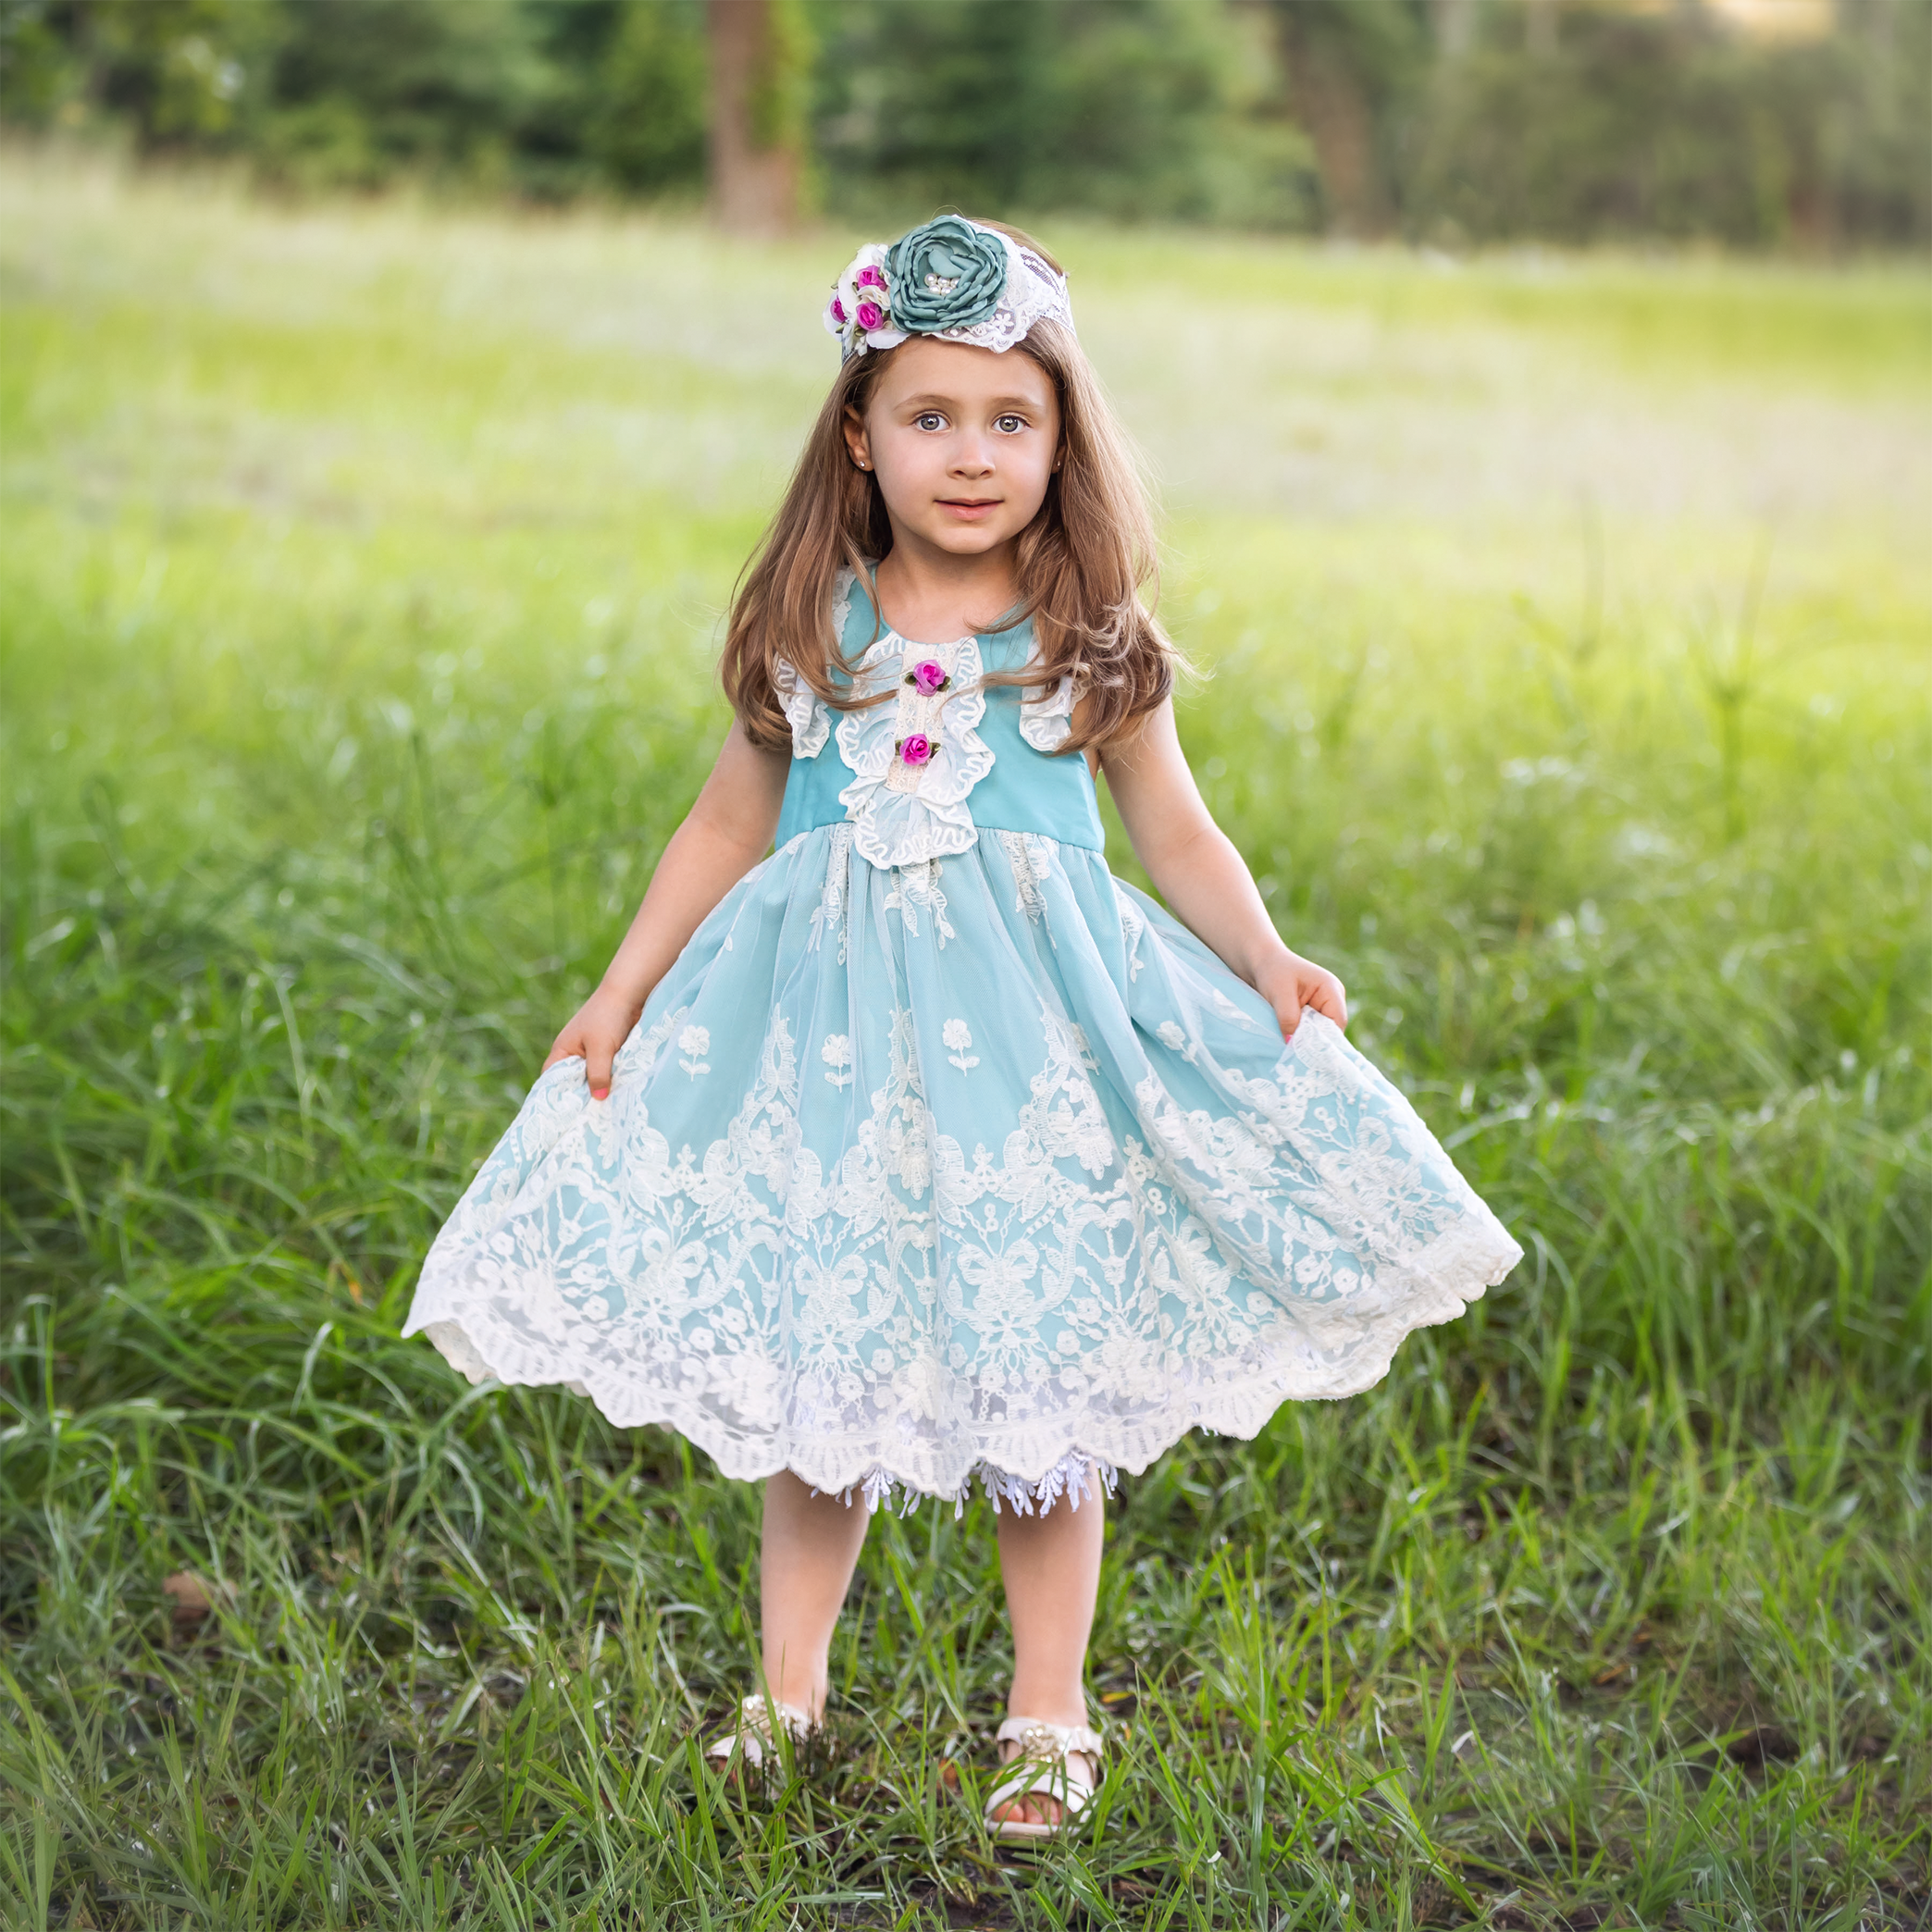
1086,564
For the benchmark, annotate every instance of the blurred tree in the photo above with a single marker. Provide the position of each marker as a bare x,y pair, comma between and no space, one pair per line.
1480,119
39,74
1669,125
760,67
647,130
366,87
552,157
1141,109
1874,145
177,71
1351,64
1170,110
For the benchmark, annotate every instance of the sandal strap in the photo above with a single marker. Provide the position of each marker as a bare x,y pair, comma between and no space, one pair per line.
1059,1780
1047,1763
1040,1741
755,1733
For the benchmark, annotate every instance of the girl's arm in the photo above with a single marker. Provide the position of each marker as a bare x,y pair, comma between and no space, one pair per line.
1196,869
724,837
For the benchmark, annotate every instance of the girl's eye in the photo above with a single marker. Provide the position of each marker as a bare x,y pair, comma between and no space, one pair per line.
1010,424
932,419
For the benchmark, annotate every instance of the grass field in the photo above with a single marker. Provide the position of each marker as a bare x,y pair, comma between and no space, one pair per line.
1566,626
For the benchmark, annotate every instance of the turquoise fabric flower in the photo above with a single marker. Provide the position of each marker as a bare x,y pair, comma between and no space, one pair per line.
946,275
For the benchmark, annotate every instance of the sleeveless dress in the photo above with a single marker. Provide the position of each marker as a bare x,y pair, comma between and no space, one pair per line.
941,1151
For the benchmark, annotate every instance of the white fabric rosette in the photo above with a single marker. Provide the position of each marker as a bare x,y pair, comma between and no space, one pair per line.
860,311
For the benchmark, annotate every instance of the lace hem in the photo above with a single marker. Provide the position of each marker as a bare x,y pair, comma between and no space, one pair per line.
1443,1280
1071,1476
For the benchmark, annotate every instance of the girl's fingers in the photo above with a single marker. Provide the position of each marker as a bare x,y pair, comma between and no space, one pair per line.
597,1067
1289,1015
563,1049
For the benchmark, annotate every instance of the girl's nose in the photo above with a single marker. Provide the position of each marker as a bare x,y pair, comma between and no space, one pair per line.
971,458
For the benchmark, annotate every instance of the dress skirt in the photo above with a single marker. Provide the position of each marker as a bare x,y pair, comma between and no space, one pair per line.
978,1164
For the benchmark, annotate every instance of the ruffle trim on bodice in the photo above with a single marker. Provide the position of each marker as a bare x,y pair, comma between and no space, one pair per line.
808,714
911,810
1046,722
903,811
805,712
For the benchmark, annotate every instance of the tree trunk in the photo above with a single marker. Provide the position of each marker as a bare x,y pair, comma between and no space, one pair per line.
755,160
1454,22
1331,104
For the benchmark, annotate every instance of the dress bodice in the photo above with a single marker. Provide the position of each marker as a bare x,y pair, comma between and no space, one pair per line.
918,776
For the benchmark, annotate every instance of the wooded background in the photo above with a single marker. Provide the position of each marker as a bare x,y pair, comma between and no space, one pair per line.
1755,123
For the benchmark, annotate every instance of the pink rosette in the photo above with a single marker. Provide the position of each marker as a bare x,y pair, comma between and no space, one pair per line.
860,313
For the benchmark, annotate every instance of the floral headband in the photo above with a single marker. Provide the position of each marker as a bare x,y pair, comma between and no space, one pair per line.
950,279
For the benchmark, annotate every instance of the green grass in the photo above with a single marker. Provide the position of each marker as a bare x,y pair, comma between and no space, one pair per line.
1568,689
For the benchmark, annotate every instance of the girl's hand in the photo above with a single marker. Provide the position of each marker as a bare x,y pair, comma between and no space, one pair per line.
1293,983
595,1033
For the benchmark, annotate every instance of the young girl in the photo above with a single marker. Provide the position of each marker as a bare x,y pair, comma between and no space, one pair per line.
924,1150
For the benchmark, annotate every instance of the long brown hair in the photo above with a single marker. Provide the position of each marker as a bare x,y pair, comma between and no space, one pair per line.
1082,562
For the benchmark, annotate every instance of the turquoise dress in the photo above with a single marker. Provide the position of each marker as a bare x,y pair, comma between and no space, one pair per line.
941,1151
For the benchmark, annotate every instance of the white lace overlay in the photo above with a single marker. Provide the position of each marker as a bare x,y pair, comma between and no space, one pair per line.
823,1242
829,915
1032,856
906,813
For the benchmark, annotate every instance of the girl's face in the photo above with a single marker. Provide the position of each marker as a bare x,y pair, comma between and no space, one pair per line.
964,441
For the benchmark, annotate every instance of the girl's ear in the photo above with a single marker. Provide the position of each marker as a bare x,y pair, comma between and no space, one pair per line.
856,443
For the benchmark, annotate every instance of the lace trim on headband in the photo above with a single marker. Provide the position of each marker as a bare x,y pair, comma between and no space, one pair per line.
1033,293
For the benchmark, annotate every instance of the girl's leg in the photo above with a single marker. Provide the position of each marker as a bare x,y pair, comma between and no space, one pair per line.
811,1545
1051,1564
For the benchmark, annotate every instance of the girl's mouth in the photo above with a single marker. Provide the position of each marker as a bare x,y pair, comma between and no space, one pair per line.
968,506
